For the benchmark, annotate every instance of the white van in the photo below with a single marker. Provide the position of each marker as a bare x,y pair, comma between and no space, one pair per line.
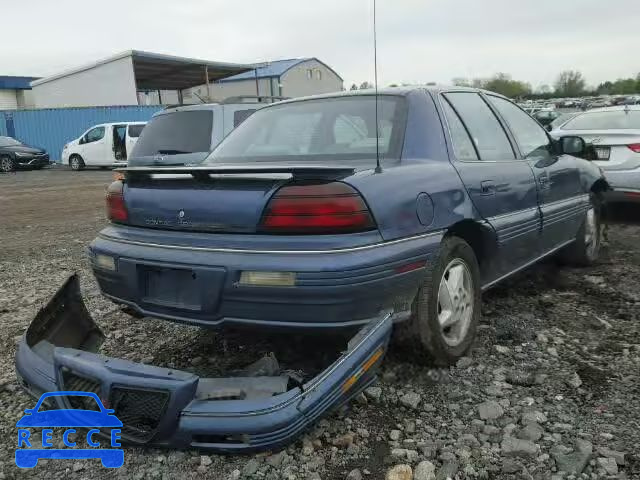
103,145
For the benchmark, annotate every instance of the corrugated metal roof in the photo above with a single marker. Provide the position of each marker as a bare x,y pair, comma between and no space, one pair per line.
267,69
157,71
8,82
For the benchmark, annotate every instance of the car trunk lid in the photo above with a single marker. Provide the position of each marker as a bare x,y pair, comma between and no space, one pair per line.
211,199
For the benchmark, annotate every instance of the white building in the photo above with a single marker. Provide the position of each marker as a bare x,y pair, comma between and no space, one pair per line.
15,92
142,78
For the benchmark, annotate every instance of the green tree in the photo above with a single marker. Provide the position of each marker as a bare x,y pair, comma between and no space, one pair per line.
570,83
354,87
503,83
364,85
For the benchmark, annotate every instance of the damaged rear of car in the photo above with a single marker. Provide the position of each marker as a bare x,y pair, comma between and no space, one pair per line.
262,406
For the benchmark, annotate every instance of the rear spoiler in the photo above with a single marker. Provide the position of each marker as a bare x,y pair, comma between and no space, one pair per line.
309,171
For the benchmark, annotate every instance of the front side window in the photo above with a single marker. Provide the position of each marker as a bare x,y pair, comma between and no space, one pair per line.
611,120
176,133
488,135
94,134
334,129
530,136
462,144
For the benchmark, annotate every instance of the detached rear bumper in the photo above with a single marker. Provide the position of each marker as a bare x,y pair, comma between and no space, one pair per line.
168,407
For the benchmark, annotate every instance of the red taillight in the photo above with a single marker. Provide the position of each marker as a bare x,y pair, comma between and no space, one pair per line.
635,147
325,208
116,209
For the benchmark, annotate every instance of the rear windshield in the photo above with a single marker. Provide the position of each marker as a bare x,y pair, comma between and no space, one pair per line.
176,133
135,130
614,120
332,129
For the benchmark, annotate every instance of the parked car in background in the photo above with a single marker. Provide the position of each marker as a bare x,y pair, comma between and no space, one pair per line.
104,145
614,134
186,134
16,155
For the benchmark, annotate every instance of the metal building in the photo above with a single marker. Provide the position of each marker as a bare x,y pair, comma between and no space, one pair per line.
126,79
15,92
294,77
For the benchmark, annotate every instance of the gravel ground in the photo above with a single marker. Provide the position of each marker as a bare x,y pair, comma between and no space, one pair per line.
549,390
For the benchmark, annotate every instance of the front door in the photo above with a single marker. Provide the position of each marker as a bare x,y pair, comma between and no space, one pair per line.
501,186
95,147
562,202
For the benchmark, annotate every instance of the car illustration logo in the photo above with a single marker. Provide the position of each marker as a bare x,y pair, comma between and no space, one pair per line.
90,415
596,140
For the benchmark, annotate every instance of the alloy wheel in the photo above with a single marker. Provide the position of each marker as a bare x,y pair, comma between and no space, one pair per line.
455,302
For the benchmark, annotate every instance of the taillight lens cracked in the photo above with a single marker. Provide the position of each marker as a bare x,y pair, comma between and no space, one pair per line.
317,208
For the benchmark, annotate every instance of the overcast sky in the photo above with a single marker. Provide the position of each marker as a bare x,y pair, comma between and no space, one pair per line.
418,40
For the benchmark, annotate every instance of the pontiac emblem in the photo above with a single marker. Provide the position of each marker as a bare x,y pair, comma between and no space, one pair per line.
181,214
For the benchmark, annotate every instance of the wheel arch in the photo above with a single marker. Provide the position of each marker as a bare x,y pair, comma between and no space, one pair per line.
480,237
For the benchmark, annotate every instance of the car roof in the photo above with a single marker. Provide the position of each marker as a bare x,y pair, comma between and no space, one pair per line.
207,106
397,91
117,123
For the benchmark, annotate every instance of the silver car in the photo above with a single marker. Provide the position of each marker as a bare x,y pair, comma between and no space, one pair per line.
614,133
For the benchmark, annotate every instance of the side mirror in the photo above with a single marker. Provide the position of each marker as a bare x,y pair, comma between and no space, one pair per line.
549,127
573,146
82,141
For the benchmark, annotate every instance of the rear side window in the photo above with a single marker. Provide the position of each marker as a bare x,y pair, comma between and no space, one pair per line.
240,116
488,135
176,133
462,144
531,137
135,130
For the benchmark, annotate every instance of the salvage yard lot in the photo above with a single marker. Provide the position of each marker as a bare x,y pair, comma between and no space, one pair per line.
556,364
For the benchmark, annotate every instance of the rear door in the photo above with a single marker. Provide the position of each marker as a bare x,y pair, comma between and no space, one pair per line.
501,186
562,200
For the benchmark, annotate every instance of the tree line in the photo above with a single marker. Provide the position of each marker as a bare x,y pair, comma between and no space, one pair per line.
570,83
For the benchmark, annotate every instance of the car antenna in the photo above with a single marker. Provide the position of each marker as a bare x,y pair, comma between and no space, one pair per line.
375,80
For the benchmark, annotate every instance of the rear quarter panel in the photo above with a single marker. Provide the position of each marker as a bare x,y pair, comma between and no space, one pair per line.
423,192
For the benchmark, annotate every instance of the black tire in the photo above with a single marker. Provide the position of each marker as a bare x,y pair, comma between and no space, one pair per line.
422,334
585,251
76,163
7,164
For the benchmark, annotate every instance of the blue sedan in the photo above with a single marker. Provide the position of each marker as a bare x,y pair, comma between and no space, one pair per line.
302,219
331,212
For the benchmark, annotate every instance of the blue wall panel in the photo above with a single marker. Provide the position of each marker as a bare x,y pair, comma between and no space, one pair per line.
52,128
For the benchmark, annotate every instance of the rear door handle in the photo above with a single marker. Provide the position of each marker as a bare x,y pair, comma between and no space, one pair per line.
487,187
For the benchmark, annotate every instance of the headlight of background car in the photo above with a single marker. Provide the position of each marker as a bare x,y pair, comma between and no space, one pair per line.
22,154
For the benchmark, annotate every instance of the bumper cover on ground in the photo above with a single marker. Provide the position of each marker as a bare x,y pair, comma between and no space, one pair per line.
168,407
